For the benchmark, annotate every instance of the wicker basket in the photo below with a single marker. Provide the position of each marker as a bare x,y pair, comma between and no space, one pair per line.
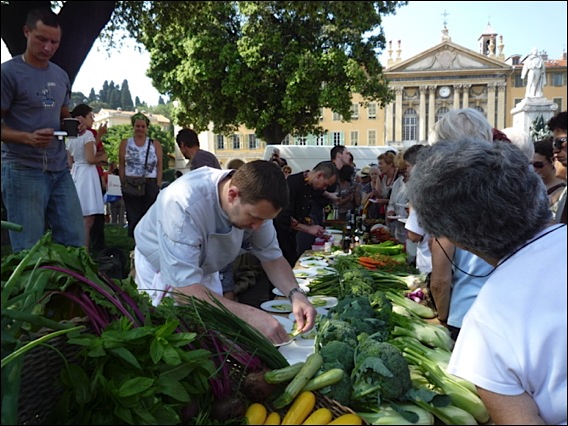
40,387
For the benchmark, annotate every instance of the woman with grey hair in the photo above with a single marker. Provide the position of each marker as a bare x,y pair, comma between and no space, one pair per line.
483,197
459,122
456,274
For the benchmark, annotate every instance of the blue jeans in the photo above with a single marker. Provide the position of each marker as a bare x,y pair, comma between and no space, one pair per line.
35,199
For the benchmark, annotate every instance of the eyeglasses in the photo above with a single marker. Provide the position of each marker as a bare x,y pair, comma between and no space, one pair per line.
557,143
538,164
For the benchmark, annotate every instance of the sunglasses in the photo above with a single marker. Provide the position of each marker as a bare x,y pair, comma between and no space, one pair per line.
538,164
557,143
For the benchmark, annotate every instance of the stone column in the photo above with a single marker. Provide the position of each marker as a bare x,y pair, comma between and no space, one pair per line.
422,114
398,114
491,103
501,87
465,102
457,92
389,136
431,107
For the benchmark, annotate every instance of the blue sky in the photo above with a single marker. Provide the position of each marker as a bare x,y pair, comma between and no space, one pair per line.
418,25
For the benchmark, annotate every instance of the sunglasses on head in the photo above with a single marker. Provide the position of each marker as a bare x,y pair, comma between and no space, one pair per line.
557,143
538,164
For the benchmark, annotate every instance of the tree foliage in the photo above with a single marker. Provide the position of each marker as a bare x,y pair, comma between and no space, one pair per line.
270,65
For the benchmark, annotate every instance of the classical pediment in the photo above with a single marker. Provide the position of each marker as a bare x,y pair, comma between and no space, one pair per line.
447,56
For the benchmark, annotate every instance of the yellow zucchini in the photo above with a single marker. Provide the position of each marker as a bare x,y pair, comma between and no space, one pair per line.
300,409
347,419
272,419
256,414
321,416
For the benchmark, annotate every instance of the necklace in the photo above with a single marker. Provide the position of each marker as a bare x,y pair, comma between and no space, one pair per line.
504,260
390,180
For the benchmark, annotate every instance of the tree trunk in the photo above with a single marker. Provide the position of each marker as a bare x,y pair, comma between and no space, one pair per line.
81,24
273,134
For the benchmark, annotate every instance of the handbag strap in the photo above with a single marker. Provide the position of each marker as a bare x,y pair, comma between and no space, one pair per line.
150,142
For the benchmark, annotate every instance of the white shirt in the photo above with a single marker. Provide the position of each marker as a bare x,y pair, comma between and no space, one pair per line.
186,235
513,338
423,254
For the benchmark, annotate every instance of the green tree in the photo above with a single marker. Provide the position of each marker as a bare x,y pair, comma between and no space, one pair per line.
161,101
269,65
92,95
125,97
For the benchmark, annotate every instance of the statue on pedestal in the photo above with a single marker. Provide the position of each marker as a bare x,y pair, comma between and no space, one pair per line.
534,71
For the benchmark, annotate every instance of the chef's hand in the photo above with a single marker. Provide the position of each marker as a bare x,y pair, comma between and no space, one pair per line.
270,327
304,312
317,230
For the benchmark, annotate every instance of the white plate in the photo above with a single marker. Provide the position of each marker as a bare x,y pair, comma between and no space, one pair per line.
305,273
286,323
295,353
277,306
279,293
330,301
313,263
320,311
334,232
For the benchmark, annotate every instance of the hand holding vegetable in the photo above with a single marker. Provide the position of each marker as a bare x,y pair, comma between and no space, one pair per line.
304,312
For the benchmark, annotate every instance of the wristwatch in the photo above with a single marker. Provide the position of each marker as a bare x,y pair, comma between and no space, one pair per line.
294,291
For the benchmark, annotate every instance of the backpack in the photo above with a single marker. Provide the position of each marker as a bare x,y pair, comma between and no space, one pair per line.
112,262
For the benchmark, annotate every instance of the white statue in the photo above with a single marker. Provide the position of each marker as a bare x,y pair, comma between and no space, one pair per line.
533,69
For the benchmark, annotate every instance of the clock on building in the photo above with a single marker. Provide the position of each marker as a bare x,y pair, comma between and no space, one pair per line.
444,91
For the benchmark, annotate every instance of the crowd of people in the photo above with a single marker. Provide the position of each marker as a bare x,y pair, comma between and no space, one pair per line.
485,208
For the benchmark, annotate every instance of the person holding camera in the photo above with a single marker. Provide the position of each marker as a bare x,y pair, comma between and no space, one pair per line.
277,159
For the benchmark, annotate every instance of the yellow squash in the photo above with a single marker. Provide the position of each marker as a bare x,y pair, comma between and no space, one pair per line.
256,414
321,416
300,408
347,419
272,419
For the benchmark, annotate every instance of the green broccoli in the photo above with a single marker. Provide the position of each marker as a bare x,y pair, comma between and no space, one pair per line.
353,307
339,352
340,391
357,282
381,373
333,329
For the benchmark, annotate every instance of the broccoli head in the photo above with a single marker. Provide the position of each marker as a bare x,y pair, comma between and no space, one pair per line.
353,307
339,352
333,329
381,373
357,282
340,391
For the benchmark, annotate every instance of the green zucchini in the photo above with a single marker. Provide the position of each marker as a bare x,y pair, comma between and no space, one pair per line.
327,378
312,365
283,375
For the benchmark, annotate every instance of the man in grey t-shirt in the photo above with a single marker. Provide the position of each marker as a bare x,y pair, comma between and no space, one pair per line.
188,143
37,187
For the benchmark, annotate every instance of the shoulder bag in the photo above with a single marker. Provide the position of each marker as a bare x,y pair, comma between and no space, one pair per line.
135,186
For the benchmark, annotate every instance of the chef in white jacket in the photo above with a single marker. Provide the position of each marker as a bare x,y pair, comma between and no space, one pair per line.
198,225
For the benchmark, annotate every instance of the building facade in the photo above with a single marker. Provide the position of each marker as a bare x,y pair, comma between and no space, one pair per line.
426,86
